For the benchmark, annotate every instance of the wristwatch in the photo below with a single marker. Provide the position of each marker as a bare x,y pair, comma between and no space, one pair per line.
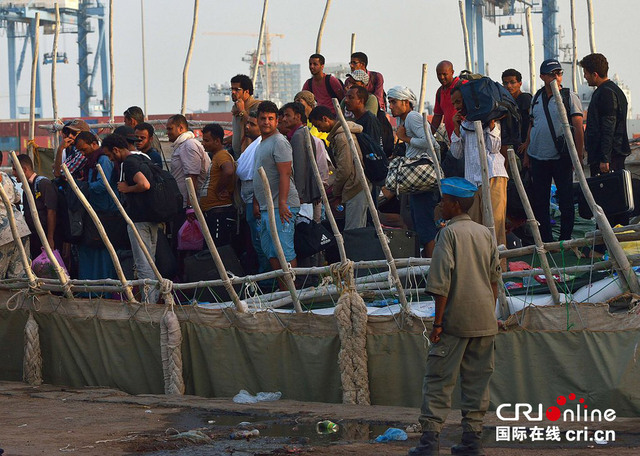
435,325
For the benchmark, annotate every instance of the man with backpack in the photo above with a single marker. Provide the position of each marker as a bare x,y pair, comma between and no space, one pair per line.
547,154
134,183
323,86
46,196
349,196
375,81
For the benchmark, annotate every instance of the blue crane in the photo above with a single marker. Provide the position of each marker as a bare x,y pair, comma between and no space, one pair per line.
19,20
477,10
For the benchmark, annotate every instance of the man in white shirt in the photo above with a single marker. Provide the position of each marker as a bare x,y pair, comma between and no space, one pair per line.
464,142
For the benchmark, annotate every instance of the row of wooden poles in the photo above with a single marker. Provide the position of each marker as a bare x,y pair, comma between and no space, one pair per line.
619,259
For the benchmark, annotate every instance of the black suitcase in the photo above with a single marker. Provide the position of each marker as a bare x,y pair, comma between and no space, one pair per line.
612,191
201,267
362,244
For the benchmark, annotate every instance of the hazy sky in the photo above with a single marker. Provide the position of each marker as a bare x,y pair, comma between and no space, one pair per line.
398,36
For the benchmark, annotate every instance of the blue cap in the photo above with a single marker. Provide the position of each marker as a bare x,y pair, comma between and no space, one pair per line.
458,186
549,66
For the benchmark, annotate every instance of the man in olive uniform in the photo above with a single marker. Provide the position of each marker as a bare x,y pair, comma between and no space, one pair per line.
463,279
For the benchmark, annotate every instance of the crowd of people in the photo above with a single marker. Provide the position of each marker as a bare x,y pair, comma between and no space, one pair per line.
224,167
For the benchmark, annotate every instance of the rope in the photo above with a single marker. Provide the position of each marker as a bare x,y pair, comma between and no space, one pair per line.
351,316
32,362
170,343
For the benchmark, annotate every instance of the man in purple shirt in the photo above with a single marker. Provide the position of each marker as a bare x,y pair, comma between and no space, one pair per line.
359,61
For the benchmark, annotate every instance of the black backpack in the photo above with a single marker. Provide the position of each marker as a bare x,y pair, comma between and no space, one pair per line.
387,132
327,83
374,160
164,200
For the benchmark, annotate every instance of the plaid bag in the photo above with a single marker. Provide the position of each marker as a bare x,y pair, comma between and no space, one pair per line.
412,175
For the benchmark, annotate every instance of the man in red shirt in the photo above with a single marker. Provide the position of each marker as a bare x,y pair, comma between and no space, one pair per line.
443,107
323,86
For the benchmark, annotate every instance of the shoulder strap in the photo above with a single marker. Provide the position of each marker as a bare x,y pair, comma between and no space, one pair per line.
310,81
327,82
552,130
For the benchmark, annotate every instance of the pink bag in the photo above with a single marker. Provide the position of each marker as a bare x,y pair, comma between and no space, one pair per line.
190,236
43,268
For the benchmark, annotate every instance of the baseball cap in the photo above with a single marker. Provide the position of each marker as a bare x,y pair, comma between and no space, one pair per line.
77,125
549,66
360,75
127,133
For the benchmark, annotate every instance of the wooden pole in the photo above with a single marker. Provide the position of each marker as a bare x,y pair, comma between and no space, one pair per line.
144,61
321,29
24,257
288,276
32,98
353,44
487,209
256,65
112,67
226,281
62,275
616,251
185,71
423,89
132,225
372,208
574,47
54,65
101,231
532,54
325,199
465,34
592,28
533,225
432,150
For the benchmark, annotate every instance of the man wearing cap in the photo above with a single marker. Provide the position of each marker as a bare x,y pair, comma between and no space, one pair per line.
463,279
375,81
547,154
323,86
67,152
134,116
354,79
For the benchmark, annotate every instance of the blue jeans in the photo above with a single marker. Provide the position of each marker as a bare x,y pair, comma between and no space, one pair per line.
149,233
285,234
422,206
263,261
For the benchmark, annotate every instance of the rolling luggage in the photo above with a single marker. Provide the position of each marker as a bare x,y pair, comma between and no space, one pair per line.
612,191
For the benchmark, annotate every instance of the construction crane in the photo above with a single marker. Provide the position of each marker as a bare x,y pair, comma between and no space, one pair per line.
477,10
250,57
76,16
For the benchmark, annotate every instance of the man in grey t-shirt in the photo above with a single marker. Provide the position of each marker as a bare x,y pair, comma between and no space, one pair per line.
275,156
547,155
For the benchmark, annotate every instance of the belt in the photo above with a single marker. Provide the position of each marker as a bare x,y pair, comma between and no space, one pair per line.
220,210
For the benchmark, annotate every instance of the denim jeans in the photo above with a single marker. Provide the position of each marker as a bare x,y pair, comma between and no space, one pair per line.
149,233
263,261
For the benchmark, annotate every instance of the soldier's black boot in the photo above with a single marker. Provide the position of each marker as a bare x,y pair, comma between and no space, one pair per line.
429,445
471,445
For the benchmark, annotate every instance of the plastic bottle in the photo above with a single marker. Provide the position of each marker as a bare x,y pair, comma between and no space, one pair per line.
383,302
326,427
239,435
340,207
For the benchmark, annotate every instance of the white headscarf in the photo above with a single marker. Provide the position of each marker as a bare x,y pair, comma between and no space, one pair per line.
403,93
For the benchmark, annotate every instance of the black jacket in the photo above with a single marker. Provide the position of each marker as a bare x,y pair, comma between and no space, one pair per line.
606,132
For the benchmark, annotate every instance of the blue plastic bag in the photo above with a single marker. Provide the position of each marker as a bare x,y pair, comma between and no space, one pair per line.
392,434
